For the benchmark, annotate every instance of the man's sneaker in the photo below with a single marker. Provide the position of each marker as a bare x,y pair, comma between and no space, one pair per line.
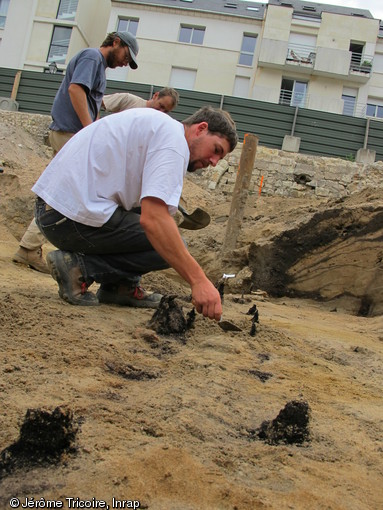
31,258
65,269
124,295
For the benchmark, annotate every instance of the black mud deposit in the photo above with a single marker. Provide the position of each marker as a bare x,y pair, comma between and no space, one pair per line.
291,426
44,437
169,318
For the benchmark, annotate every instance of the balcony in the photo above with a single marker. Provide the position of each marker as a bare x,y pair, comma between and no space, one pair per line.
293,98
300,98
302,56
361,65
316,60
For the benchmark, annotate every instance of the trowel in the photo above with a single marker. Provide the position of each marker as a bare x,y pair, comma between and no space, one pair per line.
228,325
225,324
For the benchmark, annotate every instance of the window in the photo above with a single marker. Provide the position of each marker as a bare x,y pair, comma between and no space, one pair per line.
293,93
374,110
378,63
247,50
67,9
314,18
4,4
348,104
356,55
58,49
128,25
192,35
241,86
182,78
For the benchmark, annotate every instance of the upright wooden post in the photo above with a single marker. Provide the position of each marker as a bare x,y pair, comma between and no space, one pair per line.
241,187
16,83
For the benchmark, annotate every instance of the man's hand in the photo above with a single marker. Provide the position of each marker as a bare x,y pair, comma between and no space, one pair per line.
165,238
206,299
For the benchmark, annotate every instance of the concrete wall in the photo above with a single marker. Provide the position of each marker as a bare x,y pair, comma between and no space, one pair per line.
278,23
337,30
16,33
30,23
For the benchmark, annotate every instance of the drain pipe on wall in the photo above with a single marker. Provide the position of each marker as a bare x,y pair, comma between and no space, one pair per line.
292,143
366,133
365,155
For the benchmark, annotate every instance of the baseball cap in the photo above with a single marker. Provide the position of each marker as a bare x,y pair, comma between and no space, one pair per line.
132,44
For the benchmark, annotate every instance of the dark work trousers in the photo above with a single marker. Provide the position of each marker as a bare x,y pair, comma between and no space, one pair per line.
117,252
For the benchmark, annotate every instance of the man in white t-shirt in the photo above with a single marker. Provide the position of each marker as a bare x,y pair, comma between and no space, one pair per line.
165,100
107,199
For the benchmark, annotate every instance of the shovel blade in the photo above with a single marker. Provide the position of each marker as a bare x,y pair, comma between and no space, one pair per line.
196,220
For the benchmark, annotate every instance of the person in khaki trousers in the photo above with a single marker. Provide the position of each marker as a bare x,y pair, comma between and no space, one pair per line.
76,105
30,251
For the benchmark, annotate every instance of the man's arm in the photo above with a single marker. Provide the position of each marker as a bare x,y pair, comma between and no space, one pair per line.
165,238
80,104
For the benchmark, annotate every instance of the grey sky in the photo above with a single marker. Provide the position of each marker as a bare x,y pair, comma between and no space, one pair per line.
374,6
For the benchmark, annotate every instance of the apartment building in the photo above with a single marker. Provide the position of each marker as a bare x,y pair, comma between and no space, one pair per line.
322,57
192,44
291,52
36,33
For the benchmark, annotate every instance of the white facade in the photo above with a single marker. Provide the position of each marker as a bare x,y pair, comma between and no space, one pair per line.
210,67
28,39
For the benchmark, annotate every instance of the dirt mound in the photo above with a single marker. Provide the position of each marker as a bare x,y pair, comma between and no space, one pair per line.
173,421
22,159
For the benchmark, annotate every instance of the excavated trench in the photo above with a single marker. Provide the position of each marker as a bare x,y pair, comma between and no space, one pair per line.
336,255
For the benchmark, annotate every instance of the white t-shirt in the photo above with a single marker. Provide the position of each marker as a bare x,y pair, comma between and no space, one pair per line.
117,161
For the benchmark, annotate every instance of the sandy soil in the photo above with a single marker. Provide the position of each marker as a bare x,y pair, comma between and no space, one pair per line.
173,422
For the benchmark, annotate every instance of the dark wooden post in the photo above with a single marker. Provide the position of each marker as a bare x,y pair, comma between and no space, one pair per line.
241,187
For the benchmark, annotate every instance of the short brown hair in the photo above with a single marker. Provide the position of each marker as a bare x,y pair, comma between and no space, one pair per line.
109,40
169,92
219,123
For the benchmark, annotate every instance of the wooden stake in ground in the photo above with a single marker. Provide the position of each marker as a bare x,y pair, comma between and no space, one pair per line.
241,187
16,83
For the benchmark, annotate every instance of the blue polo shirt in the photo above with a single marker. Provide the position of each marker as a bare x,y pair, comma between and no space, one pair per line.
87,69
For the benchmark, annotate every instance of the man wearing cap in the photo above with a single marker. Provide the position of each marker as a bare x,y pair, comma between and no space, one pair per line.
78,100
76,105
